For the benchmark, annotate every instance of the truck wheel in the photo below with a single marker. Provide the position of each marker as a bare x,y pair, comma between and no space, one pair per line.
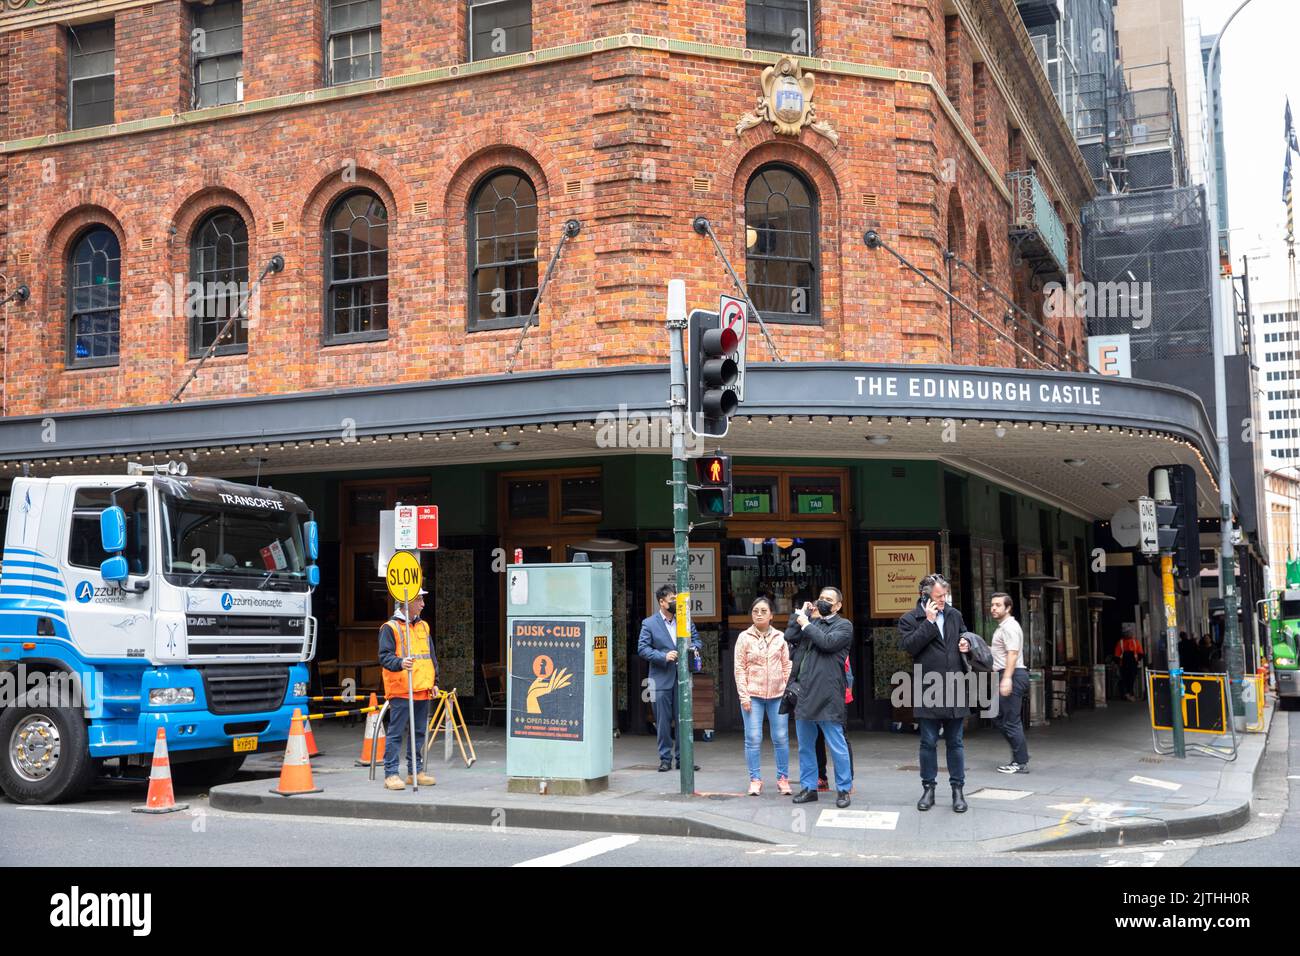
46,757
207,773
1286,703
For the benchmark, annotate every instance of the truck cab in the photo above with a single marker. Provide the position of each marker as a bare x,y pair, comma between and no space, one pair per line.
1284,635
129,603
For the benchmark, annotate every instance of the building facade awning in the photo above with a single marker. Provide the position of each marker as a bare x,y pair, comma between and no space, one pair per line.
1059,436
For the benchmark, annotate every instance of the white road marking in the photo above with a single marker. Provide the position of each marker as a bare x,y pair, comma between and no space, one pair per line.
1102,810
583,851
858,819
1153,782
65,809
1149,858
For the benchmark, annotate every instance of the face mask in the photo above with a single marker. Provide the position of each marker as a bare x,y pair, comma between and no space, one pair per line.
670,610
824,608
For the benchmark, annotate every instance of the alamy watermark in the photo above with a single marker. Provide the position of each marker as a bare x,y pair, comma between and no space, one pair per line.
624,429
1099,300
20,685
977,690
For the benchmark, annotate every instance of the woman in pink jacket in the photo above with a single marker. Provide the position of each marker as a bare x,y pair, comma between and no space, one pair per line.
762,669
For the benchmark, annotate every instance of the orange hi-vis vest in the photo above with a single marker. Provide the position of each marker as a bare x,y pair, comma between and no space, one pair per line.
411,642
1128,645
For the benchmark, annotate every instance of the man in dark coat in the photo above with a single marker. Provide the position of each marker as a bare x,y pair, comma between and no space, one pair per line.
820,640
931,633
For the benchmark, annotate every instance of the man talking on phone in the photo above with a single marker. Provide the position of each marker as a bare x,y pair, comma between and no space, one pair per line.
932,633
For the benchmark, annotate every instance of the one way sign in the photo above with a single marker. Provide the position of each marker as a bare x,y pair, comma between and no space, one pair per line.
1148,527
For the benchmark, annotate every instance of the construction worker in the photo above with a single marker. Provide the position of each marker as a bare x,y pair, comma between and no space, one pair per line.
404,646
1127,651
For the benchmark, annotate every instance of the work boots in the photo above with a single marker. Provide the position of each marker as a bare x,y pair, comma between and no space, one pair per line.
927,797
958,800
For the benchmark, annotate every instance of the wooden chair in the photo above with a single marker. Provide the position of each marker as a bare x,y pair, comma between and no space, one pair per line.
494,682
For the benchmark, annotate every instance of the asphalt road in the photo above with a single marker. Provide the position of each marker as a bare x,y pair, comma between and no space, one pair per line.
101,831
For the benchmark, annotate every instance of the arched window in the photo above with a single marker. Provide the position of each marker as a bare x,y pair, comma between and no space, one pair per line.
219,273
781,257
502,240
356,269
94,298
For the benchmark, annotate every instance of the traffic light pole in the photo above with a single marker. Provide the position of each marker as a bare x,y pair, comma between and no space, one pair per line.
1171,651
676,323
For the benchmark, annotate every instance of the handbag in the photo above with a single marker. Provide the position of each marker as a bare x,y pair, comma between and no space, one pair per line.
790,699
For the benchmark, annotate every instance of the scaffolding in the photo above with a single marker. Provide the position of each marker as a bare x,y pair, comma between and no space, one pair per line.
1145,255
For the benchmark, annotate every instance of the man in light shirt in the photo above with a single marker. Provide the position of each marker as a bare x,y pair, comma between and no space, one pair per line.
1013,680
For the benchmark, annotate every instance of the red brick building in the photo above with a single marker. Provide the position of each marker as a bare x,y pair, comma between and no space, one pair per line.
622,115
415,164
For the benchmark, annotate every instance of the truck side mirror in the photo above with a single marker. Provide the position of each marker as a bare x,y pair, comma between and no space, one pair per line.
112,529
311,534
114,570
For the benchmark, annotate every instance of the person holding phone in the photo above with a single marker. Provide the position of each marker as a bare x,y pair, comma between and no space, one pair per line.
821,640
932,633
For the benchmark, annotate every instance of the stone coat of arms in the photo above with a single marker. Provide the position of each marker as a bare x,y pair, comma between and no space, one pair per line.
786,102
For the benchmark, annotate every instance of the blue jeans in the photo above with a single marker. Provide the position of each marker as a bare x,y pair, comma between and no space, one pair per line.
780,724
952,731
833,731
399,723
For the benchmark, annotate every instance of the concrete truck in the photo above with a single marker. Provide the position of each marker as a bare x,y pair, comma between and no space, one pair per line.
153,599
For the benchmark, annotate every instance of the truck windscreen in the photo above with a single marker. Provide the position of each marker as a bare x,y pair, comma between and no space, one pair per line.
211,545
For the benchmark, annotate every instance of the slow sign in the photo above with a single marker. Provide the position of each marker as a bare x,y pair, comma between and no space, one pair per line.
404,576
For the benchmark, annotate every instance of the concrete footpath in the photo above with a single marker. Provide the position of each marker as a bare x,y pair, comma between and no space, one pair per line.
1095,782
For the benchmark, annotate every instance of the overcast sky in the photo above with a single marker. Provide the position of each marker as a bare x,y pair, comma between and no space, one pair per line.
1261,67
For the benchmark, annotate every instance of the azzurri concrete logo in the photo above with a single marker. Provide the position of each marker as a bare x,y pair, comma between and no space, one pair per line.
85,591
227,602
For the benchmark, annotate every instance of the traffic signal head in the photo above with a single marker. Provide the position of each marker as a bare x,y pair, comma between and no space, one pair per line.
1174,489
713,496
713,470
717,371
713,373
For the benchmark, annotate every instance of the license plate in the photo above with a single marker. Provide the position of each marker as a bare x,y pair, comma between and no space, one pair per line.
244,745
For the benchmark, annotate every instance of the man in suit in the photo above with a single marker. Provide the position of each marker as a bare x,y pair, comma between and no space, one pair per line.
658,645
932,633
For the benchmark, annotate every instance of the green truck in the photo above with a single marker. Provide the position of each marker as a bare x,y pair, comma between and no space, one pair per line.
1284,635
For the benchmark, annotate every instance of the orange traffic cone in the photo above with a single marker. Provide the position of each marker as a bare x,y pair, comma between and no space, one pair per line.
312,751
368,742
161,798
295,773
